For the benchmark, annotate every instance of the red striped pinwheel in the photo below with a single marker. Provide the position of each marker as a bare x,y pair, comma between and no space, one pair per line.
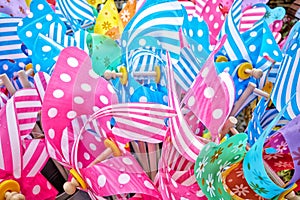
77,113
21,159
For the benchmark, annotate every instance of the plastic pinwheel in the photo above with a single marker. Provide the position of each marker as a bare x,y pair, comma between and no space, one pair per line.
22,158
71,126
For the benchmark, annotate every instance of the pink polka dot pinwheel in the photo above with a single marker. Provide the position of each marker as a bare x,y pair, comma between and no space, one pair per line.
21,159
76,116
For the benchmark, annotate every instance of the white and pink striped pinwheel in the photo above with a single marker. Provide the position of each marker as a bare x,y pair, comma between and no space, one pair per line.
75,135
211,96
175,177
21,159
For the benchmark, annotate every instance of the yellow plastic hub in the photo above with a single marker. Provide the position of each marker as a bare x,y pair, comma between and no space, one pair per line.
115,149
78,178
124,77
241,71
158,74
221,59
8,186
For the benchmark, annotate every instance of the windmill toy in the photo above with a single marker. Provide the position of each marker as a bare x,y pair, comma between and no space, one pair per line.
91,120
20,169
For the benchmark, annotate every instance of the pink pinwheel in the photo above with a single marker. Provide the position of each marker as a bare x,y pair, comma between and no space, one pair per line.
213,13
184,140
21,158
76,116
211,96
175,177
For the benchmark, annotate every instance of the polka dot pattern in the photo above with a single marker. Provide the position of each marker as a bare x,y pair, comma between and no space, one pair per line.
197,34
73,70
38,20
202,98
211,14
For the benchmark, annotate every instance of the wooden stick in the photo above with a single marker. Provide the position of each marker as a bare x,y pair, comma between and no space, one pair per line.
104,155
251,88
4,80
279,182
229,126
143,156
112,74
261,93
144,73
23,77
71,186
256,73
14,196
152,159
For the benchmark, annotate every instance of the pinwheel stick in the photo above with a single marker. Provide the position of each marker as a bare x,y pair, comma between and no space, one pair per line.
156,73
246,70
4,80
10,190
14,196
111,148
229,126
70,186
123,75
291,195
251,88
23,77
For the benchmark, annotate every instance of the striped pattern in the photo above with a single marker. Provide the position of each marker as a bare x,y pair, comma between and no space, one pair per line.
34,158
41,81
145,60
27,105
184,140
250,17
176,172
234,45
273,72
254,126
137,121
200,5
77,12
288,84
10,143
10,43
162,20
3,99
186,69
210,108
57,33
80,38
189,7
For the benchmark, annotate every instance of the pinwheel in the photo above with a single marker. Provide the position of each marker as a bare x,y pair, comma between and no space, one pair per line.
73,70
45,35
288,70
213,160
201,97
166,31
22,158
175,178
244,50
12,58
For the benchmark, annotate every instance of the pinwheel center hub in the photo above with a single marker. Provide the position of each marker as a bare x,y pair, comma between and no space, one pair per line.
78,178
